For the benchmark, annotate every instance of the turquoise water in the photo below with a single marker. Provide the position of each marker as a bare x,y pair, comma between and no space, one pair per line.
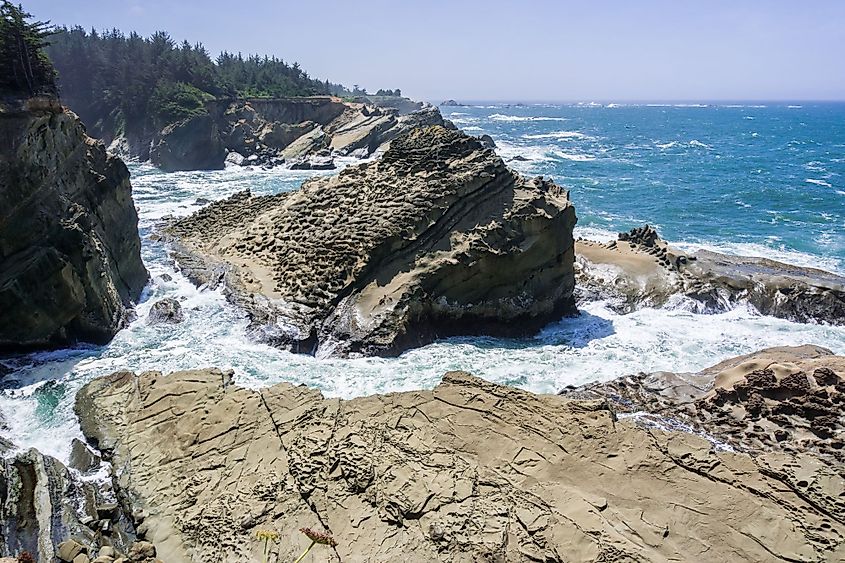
754,180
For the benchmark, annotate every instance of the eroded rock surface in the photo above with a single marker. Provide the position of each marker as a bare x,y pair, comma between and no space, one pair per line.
470,471
70,261
789,399
640,269
436,238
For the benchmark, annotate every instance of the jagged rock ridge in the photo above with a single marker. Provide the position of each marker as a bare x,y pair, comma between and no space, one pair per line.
436,238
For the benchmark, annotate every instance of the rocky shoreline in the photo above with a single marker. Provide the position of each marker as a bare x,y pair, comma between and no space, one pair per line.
298,133
471,471
436,238
640,269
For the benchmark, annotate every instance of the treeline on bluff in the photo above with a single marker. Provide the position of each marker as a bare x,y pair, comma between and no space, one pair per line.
24,69
128,85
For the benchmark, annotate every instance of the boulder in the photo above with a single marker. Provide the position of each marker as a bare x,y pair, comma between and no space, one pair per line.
70,260
82,458
235,159
167,310
487,141
468,471
437,238
313,163
191,144
450,103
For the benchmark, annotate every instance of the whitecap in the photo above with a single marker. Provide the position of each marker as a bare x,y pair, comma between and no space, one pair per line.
574,157
668,145
817,182
502,117
794,107
558,135
697,143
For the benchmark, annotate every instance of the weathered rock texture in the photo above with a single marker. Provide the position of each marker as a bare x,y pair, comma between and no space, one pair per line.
289,131
641,269
470,471
42,504
789,399
436,238
70,261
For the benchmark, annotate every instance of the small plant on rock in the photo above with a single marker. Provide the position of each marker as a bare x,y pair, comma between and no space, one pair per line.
267,536
322,538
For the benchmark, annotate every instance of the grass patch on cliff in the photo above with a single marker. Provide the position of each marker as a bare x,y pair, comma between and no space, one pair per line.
175,101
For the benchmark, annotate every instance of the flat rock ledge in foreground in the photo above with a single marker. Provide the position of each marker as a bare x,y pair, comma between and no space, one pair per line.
436,238
470,471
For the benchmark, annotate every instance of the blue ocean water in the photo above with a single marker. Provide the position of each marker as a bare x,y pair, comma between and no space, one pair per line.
754,177
757,179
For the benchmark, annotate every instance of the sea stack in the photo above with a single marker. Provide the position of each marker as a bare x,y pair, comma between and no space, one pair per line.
70,261
437,238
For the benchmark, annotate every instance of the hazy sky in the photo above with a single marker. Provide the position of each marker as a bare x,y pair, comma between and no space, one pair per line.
611,50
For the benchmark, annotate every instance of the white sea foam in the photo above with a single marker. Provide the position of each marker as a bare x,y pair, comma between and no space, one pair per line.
502,117
668,145
576,157
697,143
818,182
794,107
558,135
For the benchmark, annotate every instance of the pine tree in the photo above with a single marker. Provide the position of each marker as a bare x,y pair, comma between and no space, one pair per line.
24,68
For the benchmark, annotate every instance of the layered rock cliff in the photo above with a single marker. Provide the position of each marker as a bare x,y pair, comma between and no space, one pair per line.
436,238
470,471
641,269
290,131
70,262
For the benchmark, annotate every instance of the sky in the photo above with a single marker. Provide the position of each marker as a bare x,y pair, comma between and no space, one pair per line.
529,50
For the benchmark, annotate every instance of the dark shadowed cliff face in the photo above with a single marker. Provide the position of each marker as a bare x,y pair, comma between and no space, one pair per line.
70,258
436,238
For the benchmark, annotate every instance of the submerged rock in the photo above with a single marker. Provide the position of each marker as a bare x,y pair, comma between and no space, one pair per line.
641,269
70,260
167,310
468,471
437,238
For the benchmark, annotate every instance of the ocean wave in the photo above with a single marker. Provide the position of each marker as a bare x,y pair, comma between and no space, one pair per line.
502,117
794,107
691,105
558,135
817,182
697,143
668,145
779,254
573,156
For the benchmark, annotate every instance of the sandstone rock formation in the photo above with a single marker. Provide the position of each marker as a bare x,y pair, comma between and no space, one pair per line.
789,399
270,132
640,269
436,238
470,471
70,261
